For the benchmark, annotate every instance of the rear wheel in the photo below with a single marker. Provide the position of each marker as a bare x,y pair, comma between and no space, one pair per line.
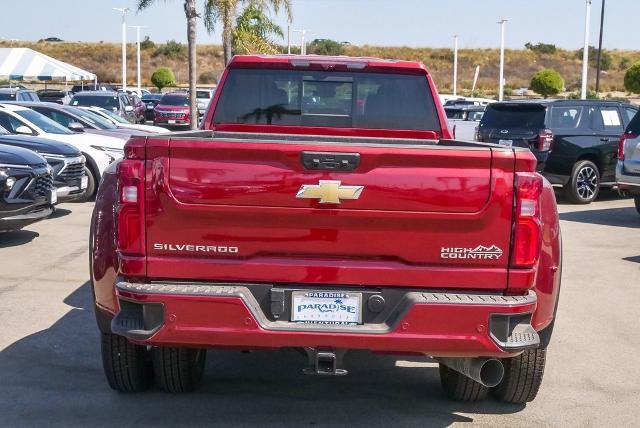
460,387
522,377
92,184
178,369
584,185
636,199
127,366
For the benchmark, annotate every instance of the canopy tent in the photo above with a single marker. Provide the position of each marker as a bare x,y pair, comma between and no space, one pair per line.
28,65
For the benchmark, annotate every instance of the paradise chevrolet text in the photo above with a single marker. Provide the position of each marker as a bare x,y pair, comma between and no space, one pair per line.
323,205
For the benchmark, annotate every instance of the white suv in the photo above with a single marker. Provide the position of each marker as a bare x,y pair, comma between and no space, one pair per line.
99,150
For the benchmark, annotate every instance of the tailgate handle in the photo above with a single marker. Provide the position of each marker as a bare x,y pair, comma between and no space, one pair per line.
330,161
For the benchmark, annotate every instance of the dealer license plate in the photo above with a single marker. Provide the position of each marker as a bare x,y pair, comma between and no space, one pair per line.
506,142
84,182
53,196
171,122
326,307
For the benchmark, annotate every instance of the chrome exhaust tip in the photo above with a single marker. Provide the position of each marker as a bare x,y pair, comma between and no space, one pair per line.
486,371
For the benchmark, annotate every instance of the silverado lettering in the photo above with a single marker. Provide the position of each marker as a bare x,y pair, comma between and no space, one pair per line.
451,251
195,248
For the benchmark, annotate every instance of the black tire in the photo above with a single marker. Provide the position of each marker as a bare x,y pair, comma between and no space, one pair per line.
92,184
584,185
522,377
178,369
460,387
127,366
636,200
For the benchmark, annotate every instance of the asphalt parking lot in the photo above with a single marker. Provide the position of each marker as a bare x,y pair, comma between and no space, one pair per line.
51,374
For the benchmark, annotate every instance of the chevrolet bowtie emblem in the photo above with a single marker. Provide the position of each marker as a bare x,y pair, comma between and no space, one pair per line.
329,191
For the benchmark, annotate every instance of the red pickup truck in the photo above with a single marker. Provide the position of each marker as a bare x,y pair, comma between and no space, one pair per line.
324,206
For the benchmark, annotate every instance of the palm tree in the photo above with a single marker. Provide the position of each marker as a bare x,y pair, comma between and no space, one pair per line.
255,32
191,14
226,12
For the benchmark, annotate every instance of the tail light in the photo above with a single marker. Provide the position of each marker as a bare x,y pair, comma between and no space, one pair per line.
130,208
545,138
527,237
623,139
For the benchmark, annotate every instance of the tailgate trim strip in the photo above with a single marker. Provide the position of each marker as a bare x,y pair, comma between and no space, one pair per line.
242,292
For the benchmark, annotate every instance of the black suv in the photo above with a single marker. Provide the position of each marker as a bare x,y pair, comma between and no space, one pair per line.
66,161
27,194
575,141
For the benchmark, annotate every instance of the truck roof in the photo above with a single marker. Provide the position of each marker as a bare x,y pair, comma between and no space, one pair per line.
325,62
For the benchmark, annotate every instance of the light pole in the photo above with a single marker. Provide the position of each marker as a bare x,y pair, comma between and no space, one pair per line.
585,53
455,65
600,48
138,27
303,46
501,83
124,11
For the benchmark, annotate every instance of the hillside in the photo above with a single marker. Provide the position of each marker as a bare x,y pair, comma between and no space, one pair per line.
104,60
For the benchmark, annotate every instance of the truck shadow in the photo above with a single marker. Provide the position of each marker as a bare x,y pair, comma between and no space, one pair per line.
56,376
619,217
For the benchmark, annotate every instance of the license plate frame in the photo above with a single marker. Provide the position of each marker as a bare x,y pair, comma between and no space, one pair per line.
507,143
347,312
171,122
84,182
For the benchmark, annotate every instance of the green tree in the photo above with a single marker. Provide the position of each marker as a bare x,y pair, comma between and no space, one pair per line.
605,58
541,48
191,14
163,77
255,32
147,43
171,49
632,78
326,47
226,11
547,82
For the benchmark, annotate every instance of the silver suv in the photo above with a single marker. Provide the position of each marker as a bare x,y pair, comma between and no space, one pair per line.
628,167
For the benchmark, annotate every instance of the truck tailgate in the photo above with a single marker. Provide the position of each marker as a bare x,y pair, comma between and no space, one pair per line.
431,216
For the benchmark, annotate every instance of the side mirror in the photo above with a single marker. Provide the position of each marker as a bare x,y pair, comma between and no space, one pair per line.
76,127
24,130
128,109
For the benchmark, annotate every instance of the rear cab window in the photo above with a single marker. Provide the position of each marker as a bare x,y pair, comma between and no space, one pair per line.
327,99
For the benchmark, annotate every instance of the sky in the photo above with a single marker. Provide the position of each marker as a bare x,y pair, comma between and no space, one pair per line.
423,23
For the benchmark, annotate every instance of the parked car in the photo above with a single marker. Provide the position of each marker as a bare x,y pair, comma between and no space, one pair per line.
118,102
203,98
575,141
93,87
123,123
628,165
66,161
464,120
13,94
343,219
173,110
54,96
99,150
78,120
467,101
139,109
151,101
27,194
